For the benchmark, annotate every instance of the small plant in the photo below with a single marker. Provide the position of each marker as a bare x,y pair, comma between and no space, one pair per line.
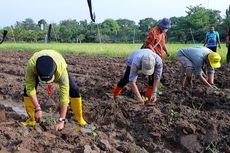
93,131
212,148
198,106
49,119
144,98
160,89
173,113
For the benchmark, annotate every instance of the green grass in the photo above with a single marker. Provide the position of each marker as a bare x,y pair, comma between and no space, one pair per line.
113,50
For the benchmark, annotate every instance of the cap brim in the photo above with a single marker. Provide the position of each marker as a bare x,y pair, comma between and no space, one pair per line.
215,65
147,72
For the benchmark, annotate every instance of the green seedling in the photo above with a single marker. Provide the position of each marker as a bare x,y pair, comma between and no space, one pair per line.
159,93
144,98
212,148
49,118
173,113
160,89
199,106
49,110
93,133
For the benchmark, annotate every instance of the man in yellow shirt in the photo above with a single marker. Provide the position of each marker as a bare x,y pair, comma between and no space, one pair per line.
48,66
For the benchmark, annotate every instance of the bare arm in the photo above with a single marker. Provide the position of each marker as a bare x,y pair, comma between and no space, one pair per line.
218,40
63,111
136,91
34,100
205,81
166,50
205,40
155,85
38,112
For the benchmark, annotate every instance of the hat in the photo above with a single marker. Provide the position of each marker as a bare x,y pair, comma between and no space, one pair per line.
148,64
214,59
165,23
45,67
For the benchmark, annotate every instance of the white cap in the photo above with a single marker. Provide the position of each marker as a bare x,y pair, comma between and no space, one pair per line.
148,64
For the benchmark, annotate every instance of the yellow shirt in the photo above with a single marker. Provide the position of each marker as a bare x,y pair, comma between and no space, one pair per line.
61,74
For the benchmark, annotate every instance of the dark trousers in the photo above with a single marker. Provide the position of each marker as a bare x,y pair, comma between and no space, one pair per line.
213,48
125,80
228,55
73,88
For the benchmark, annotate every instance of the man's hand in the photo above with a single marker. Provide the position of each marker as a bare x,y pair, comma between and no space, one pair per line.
38,115
154,99
60,125
140,101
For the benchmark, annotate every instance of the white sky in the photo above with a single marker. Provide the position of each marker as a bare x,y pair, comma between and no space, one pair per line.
57,10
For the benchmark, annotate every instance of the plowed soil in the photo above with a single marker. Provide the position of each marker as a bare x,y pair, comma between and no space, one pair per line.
193,120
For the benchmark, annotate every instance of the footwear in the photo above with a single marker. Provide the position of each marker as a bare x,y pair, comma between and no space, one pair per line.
76,105
30,111
148,93
117,91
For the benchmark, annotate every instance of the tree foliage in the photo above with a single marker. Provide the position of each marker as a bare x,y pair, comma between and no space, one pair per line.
184,29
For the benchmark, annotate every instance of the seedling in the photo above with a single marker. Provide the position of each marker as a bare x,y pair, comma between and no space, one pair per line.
173,113
160,89
144,98
93,131
50,119
198,107
212,148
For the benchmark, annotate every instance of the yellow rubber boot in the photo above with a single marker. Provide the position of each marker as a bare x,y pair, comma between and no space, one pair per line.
30,111
76,105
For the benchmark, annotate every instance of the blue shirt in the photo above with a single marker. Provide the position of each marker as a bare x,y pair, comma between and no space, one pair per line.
134,62
197,55
211,38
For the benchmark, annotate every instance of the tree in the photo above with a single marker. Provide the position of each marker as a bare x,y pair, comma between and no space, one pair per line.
227,19
145,25
195,23
29,24
68,31
109,29
127,28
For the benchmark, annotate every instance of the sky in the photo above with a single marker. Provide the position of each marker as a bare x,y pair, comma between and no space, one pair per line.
53,11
